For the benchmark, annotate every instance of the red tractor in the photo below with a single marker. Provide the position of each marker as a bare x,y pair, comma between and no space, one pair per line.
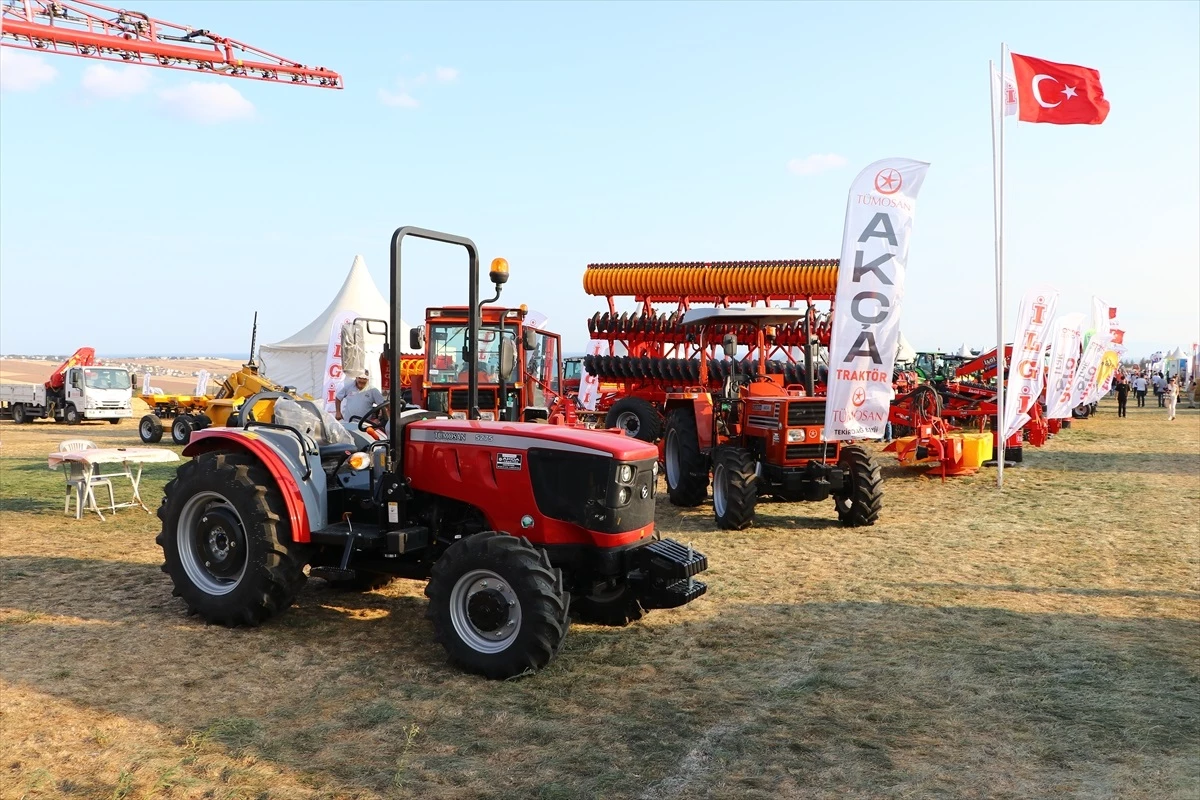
759,435
515,525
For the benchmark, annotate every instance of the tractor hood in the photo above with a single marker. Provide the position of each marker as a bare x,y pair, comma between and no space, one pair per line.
524,435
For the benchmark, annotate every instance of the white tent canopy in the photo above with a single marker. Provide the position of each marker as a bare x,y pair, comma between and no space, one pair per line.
904,350
300,360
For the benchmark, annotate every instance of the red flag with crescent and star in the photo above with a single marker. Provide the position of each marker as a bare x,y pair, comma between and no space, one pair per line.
1062,94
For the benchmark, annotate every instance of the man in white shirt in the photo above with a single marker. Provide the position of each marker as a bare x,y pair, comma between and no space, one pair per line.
1139,388
356,398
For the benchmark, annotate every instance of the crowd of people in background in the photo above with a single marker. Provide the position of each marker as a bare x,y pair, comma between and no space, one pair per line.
1166,391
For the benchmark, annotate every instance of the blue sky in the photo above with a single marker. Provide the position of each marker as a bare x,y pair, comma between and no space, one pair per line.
146,210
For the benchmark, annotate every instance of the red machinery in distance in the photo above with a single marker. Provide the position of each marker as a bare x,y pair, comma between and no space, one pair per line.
83,357
90,30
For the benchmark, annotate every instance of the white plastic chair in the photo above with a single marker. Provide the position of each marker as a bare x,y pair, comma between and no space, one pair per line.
80,484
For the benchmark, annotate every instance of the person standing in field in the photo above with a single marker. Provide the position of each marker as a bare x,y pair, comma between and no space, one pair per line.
1193,394
1171,397
1139,388
1122,395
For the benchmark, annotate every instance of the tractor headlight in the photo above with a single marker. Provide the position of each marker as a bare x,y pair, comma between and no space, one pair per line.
359,461
623,496
795,435
625,474
458,415
490,416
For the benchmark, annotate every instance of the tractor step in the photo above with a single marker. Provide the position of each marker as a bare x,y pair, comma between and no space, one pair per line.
366,535
331,573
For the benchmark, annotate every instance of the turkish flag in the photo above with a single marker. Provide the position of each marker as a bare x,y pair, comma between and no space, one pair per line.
1063,94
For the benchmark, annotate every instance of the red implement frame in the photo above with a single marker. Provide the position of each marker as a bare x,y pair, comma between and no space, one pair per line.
90,30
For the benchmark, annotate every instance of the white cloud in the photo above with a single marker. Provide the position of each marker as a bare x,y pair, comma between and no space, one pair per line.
398,99
811,165
105,81
207,103
23,72
446,74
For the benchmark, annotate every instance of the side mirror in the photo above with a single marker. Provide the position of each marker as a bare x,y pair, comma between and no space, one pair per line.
416,338
379,328
508,359
529,339
729,345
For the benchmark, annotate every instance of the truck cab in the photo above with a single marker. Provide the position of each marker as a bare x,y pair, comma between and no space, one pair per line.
530,394
98,392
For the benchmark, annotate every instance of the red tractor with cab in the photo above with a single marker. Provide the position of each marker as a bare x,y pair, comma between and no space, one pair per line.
758,436
516,526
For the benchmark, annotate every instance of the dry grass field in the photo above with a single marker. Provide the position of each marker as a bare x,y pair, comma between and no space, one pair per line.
14,370
1040,643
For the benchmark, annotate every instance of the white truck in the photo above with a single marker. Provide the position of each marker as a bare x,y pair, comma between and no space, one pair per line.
74,393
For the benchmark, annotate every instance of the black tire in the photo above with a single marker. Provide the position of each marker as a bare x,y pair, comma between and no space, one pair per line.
150,429
227,506
861,500
363,582
18,414
469,617
686,466
616,607
201,421
71,415
115,421
637,417
181,429
735,488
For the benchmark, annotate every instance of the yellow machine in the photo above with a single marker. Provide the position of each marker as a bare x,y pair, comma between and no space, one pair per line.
196,412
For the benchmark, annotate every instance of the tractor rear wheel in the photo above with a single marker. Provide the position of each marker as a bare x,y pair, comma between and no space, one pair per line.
150,429
181,429
861,498
735,488
637,417
497,605
226,541
686,466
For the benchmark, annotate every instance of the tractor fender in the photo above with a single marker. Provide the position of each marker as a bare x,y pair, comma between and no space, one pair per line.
299,512
702,408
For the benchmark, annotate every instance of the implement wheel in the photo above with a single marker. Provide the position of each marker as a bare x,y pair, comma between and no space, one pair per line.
181,429
686,466
637,417
497,605
150,429
861,499
226,541
735,488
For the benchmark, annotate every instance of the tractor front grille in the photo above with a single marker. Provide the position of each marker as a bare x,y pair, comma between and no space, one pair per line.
811,451
806,412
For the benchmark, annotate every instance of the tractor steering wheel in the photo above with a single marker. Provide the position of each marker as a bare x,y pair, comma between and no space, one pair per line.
373,418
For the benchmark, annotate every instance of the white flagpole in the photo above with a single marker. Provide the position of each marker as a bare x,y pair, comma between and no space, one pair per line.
1000,286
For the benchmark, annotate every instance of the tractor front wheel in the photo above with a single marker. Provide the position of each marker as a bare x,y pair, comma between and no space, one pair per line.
735,489
497,605
686,466
150,429
226,541
637,417
861,498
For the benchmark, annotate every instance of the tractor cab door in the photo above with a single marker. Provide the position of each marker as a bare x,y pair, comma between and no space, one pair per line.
543,373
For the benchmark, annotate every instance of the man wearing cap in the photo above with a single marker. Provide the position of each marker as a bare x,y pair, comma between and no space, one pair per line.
356,398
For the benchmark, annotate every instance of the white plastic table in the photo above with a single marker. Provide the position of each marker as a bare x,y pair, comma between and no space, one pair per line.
92,462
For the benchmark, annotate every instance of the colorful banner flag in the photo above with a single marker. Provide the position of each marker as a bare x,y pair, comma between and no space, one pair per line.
1025,372
1007,94
1089,366
1065,347
589,384
1108,370
333,359
866,327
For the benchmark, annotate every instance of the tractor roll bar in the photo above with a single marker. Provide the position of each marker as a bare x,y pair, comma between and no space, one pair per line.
472,322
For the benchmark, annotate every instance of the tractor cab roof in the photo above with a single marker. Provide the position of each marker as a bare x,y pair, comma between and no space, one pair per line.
752,316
